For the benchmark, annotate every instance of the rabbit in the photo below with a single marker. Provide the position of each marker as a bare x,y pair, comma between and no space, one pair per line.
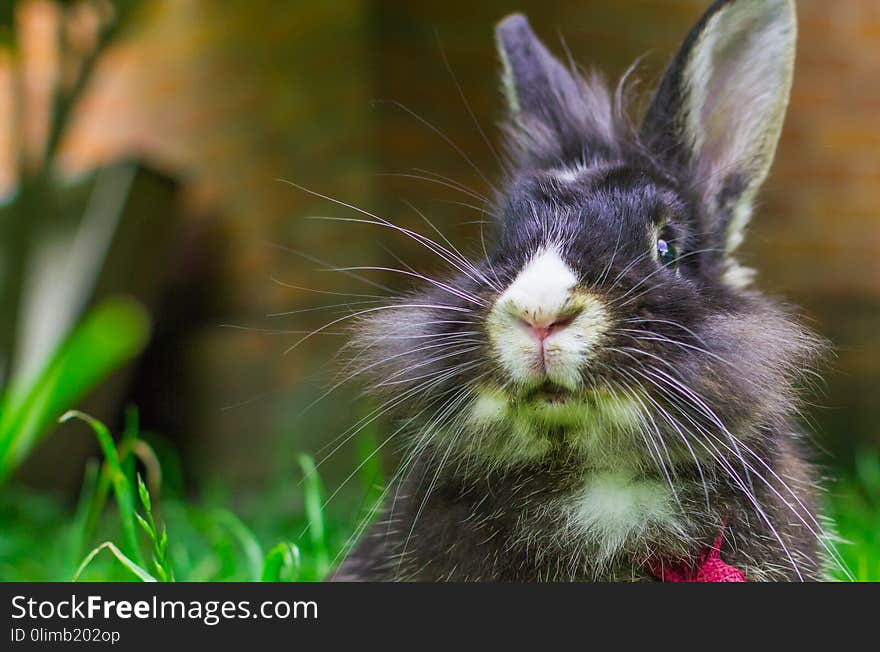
606,396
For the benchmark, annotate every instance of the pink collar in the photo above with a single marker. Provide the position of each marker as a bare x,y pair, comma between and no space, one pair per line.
710,568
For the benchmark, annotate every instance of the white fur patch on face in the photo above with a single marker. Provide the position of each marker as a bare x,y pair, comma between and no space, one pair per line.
543,286
613,509
543,291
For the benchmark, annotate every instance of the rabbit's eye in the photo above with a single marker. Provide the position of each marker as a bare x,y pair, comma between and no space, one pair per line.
667,253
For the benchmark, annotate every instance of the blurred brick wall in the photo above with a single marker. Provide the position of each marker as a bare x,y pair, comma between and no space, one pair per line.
230,96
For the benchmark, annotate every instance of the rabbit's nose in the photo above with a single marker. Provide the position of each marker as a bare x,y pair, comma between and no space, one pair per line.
540,327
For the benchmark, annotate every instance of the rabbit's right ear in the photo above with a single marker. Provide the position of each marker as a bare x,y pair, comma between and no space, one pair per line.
718,112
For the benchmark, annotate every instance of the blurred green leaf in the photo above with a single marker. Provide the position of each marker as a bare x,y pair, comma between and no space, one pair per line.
110,335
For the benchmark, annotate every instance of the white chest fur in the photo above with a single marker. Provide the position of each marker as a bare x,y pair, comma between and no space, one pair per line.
614,510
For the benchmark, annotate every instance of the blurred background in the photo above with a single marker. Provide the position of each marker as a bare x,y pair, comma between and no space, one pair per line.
151,255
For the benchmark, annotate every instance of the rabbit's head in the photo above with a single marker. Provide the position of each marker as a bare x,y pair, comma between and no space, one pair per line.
610,320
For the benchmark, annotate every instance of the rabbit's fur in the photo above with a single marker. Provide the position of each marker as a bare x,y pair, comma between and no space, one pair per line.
659,405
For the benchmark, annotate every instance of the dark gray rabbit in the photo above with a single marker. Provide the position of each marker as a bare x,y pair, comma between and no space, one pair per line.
606,397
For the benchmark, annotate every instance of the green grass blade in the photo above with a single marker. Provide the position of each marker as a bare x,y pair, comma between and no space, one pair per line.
128,442
249,544
370,464
157,538
96,506
121,485
141,573
87,496
146,501
282,563
314,506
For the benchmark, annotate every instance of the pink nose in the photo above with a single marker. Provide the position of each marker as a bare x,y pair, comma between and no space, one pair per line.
541,328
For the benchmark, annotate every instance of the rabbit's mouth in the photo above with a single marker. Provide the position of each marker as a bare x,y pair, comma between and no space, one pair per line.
513,426
549,393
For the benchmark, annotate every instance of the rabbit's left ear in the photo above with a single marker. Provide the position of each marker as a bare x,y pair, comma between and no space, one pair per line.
718,112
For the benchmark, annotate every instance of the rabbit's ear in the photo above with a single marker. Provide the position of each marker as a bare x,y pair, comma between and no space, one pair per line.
557,115
536,84
718,112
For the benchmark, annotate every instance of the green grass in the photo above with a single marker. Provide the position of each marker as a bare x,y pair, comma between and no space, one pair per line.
854,508
120,529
